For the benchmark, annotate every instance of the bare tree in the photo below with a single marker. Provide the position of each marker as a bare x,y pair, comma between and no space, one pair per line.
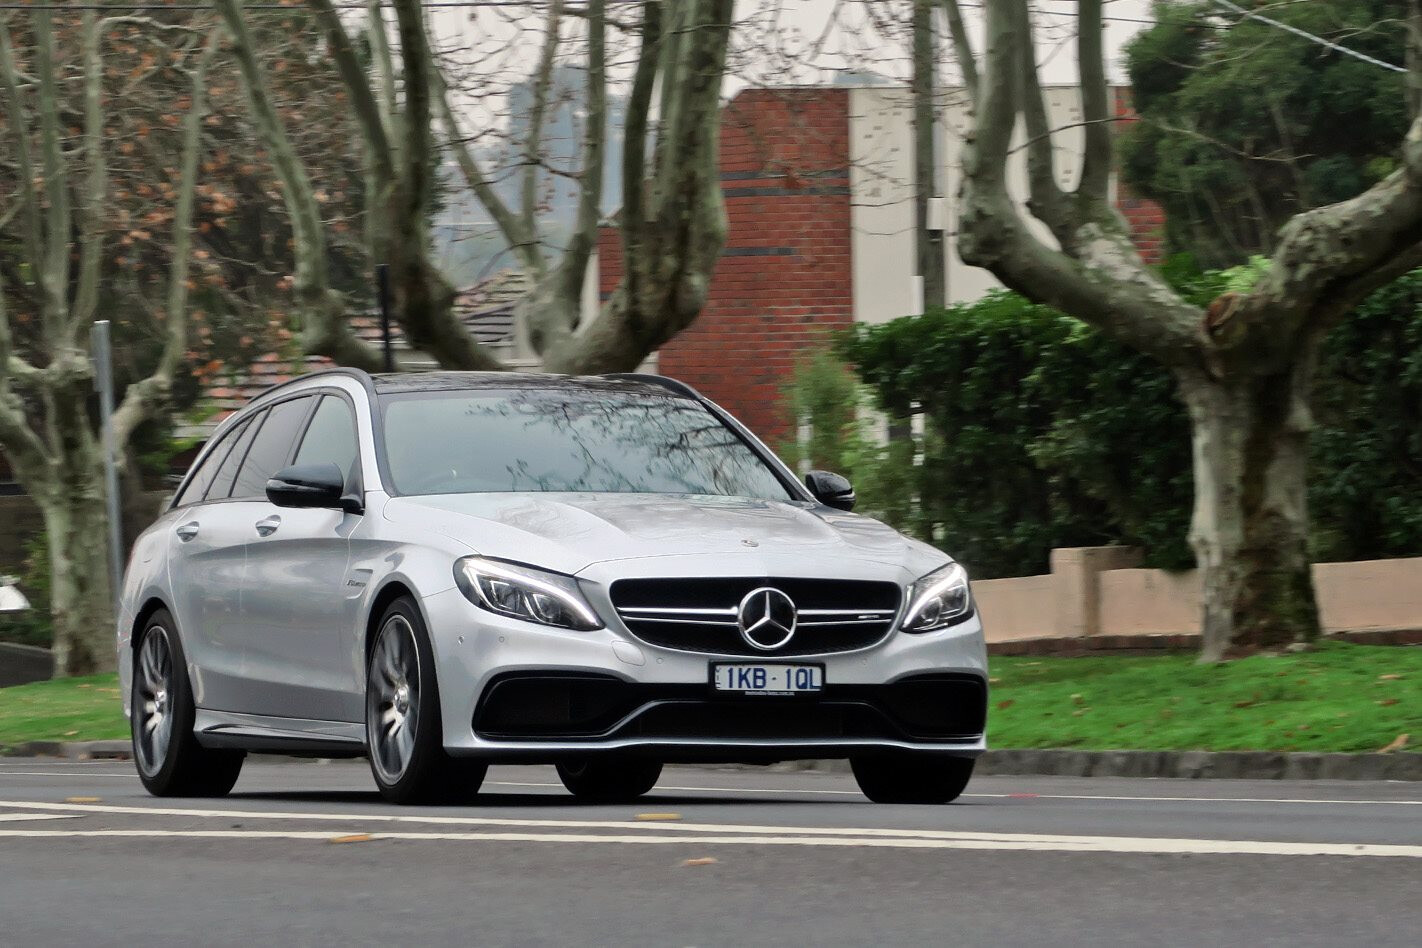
1244,365
45,371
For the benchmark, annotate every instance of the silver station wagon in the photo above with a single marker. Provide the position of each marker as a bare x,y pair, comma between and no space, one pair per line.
444,570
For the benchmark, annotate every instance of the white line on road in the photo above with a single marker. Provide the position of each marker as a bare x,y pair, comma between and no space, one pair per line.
998,796
708,832
19,817
1077,844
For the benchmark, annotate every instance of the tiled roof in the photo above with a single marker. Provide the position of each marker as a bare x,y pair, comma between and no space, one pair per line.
486,309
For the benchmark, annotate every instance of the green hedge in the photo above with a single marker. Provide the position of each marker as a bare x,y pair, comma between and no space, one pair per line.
1038,432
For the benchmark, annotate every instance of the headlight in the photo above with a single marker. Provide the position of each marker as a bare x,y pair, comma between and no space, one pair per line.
938,600
525,593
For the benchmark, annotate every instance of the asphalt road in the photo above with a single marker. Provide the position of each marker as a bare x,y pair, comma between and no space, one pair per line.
307,854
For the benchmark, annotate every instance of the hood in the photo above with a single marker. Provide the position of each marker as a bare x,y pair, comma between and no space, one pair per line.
569,532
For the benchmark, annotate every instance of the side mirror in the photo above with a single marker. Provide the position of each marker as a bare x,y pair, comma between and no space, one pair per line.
312,485
831,489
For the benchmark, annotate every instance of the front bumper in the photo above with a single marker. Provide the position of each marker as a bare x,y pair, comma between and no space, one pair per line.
518,692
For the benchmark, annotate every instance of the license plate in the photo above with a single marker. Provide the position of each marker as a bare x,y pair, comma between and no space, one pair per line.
768,679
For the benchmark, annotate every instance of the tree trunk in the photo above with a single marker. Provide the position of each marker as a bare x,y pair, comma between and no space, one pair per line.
81,604
1250,528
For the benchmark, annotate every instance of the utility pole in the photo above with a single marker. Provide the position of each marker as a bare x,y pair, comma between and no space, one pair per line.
102,354
928,205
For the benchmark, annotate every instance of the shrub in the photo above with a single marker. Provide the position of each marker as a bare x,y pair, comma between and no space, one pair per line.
1040,432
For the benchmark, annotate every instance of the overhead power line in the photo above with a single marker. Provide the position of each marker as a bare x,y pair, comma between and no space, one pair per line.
1236,8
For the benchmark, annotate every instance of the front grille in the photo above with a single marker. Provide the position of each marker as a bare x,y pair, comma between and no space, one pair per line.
700,615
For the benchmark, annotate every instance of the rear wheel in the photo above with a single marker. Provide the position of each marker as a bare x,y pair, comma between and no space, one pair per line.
912,778
609,781
170,761
402,719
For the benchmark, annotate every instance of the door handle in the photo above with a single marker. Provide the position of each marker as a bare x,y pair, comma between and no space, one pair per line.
187,531
267,527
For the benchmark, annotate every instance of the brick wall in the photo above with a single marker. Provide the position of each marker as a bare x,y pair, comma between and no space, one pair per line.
1145,217
784,276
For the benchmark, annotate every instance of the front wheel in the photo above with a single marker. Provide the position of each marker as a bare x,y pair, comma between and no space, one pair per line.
609,781
912,778
170,761
402,720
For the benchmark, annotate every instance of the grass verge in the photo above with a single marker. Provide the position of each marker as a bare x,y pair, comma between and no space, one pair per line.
1342,697
70,709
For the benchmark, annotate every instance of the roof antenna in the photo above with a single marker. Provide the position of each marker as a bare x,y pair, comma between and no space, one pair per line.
382,284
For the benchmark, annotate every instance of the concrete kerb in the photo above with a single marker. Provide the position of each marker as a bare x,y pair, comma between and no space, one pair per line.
1194,765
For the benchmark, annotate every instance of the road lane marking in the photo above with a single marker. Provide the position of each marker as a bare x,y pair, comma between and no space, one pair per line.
700,832
19,817
1003,842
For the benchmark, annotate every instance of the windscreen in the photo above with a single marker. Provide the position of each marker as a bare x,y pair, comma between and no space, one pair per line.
566,440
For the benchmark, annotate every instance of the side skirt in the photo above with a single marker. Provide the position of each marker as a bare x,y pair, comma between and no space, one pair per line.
296,736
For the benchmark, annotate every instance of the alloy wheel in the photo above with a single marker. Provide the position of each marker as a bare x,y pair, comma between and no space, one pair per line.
154,709
393,698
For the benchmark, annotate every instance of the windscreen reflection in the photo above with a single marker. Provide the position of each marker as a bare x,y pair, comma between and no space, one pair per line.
575,441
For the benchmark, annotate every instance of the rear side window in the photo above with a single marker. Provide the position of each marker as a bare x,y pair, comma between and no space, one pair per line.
270,448
227,473
331,436
207,469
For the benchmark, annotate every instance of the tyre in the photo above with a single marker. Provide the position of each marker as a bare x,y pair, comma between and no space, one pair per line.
609,781
403,730
912,778
169,759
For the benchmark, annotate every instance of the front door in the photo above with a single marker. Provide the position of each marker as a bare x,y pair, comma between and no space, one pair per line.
207,557
295,614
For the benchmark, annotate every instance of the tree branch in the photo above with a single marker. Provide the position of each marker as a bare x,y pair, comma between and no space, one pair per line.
962,48
143,397
1048,201
1330,258
363,104
325,330
56,187
573,267
91,238
521,240
1102,280
542,80
634,149
689,228
1095,108
25,172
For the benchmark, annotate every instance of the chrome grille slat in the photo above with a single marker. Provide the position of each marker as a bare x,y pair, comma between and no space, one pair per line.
699,614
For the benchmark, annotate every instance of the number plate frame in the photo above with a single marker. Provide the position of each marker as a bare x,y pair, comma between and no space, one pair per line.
817,667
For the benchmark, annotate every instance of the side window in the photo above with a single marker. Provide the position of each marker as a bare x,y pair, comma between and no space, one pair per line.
331,436
227,473
198,483
270,448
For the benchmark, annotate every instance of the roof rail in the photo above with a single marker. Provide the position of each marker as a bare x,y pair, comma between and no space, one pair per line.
360,375
670,384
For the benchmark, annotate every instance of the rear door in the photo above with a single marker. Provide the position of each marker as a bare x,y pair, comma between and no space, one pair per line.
293,608
207,549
